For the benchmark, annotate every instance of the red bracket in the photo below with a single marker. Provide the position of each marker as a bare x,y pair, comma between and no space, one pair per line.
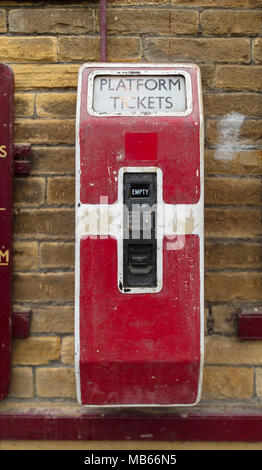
7,169
250,325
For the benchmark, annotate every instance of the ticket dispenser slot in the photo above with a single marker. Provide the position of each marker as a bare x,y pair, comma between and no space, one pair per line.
139,243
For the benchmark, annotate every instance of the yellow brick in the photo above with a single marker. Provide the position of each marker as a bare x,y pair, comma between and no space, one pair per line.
49,287
67,350
233,191
207,76
257,50
233,223
55,382
215,22
218,3
231,351
241,162
227,383
24,104
152,21
25,256
22,383
239,77
42,223
137,2
225,319
29,191
228,50
45,131
3,27
52,319
56,104
219,255
221,104
82,48
52,160
259,382
28,49
53,21
249,132
36,350
231,287
57,255
61,191
37,76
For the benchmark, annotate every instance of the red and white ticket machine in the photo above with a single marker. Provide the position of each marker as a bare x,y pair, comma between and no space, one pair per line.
139,294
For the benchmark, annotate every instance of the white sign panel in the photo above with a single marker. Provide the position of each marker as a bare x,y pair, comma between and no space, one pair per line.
148,94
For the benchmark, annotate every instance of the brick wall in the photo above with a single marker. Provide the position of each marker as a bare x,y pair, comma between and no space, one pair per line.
45,42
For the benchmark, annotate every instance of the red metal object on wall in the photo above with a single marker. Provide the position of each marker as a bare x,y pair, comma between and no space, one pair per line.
6,177
8,167
137,345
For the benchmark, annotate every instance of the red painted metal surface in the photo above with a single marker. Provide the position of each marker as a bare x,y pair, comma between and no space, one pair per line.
21,324
6,176
250,325
142,348
232,427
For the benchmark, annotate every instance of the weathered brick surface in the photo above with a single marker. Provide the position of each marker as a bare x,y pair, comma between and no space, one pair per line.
3,26
56,104
235,286
241,162
153,21
29,191
25,256
46,43
52,319
216,22
22,383
218,4
24,104
36,350
45,76
45,131
52,21
50,287
225,319
233,223
51,223
233,191
52,160
259,382
82,49
61,191
55,382
236,255
231,50
239,77
231,351
228,382
257,50
57,255
28,49
249,132
67,350
221,104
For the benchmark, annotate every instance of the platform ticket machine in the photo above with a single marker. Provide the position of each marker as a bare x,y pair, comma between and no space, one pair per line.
139,301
